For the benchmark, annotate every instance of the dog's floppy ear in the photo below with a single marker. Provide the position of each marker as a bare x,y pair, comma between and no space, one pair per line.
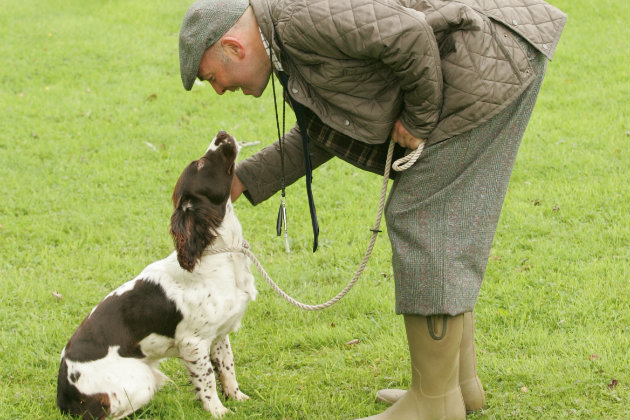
192,228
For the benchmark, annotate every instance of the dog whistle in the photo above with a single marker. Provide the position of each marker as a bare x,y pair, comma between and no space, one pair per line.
282,222
279,220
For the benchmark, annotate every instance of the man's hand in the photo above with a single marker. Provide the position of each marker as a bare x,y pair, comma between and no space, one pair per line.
401,136
237,188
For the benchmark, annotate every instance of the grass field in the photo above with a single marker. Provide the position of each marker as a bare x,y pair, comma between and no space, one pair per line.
95,127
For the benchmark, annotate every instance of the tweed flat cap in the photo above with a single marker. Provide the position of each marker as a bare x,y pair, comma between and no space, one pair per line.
204,23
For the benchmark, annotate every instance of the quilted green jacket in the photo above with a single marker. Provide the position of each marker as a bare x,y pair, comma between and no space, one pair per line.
443,67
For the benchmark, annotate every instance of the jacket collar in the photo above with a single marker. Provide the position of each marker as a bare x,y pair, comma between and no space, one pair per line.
264,11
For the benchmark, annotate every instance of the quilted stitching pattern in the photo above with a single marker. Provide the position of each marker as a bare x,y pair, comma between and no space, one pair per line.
387,46
535,20
361,65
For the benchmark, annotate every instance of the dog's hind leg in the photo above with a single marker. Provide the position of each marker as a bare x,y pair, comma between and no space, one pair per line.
134,382
122,385
223,361
195,355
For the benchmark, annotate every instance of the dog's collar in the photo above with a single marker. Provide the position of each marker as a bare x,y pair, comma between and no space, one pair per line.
227,249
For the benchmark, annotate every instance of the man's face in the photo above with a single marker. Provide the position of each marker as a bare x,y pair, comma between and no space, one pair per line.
227,71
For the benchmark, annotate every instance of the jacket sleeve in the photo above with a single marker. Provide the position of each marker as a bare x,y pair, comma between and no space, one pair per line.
261,173
397,36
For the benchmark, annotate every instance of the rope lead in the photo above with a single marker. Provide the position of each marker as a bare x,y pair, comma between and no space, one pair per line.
399,165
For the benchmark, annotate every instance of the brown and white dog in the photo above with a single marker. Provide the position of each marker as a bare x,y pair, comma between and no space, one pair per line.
182,306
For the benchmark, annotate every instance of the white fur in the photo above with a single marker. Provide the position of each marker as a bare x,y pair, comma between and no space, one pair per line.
130,383
212,299
212,146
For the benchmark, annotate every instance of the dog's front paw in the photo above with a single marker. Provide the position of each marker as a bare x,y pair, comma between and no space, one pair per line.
217,409
232,391
239,396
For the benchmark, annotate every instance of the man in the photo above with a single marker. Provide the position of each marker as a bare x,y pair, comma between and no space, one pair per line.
463,76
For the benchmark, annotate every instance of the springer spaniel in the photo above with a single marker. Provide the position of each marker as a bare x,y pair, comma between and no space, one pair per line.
184,305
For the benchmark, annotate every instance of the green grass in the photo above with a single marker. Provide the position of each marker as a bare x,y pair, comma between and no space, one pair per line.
95,127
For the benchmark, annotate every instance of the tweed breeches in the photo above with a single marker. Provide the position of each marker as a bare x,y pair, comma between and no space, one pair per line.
442,213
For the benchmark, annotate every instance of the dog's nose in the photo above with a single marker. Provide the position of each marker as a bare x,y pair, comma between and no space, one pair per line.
221,138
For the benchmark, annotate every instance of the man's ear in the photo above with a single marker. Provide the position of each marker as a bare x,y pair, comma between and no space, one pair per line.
233,47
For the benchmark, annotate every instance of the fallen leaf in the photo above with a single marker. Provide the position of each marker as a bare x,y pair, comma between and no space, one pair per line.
536,202
556,208
353,342
593,356
57,295
524,389
151,97
613,383
524,267
332,324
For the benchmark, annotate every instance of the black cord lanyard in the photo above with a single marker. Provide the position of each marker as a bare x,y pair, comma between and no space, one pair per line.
300,115
281,222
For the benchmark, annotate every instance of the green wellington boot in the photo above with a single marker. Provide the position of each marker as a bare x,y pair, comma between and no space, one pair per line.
434,394
469,382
